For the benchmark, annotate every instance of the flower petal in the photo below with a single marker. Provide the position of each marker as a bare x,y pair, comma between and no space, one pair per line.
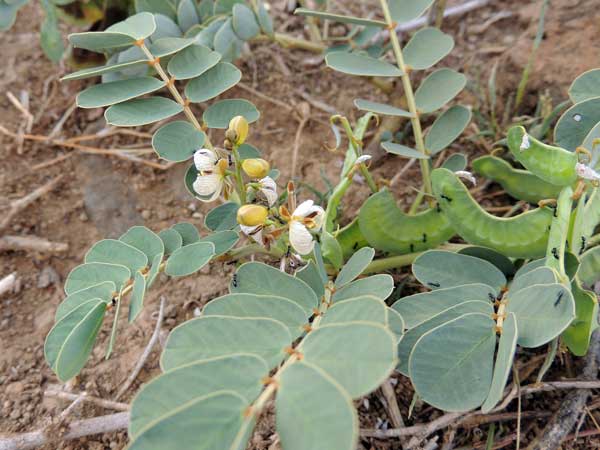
304,209
269,190
205,159
300,238
254,233
208,186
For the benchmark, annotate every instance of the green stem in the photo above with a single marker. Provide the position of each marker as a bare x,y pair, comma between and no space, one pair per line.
291,42
411,103
239,179
394,262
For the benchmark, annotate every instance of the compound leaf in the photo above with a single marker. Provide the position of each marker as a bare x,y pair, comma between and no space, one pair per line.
380,108
446,128
141,111
365,308
103,291
380,286
192,62
576,123
451,365
213,336
438,89
427,47
219,114
189,233
585,86
223,217
244,22
144,240
116,252
336,348
362,65
258,278
357,263
189,259
309,396
172,240
407,10
177,141
136,303
90,274
106,94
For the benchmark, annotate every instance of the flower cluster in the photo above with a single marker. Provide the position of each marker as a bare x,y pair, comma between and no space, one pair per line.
221,172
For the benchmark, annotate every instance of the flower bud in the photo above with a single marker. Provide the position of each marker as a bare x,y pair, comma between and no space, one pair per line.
238,130
252,215
256,167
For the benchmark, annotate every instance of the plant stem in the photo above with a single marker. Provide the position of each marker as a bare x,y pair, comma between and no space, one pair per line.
410,101
174,92
238,175
394,262
292,42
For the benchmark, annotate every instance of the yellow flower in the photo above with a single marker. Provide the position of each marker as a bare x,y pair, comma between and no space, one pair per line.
256,167
252,215
238,130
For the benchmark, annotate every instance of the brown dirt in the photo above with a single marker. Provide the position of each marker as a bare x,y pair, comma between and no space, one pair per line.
101,196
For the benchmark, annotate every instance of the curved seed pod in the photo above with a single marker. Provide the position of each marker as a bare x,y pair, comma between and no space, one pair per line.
552,164
520,184
559,230
522,236
591,215
351,239
387,228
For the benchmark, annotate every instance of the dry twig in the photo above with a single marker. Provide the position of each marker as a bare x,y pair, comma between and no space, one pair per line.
108,404
33,243
140,364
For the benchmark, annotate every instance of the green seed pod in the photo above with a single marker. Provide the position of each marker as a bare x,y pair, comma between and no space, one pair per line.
520,184
552,164
522,236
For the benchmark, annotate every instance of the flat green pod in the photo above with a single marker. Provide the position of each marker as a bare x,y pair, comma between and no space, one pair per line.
144,240
139,26
406,10
261,279
339,18
90,274
177,141
438,89
412,335
361,65
381,108
559,233
589,269
104,291
141,111
443,269
554,165
335,348
241,373
365,308
244,22
504,360
311,276
106,94
70,341
380,286
387,228
357,263
541,275
576,123
106,69
350,239
222,240
212,82
189,259
521,236
213,336
519,184
113,251
451,366
585,86
188,231
426,48
172,240
270,306
309,396
214,419
447,128
543,312
577,335
219,114
417,308
136,302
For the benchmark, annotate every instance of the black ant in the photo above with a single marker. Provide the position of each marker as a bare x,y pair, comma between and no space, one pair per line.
445,197
234,281
558,299
583,242
555,252
424,237
436,285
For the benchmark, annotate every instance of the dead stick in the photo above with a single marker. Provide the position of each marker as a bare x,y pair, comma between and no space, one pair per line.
77,429
147,350
33,243
108,404
18,205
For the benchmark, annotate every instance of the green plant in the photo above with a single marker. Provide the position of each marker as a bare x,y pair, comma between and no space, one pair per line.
320,336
